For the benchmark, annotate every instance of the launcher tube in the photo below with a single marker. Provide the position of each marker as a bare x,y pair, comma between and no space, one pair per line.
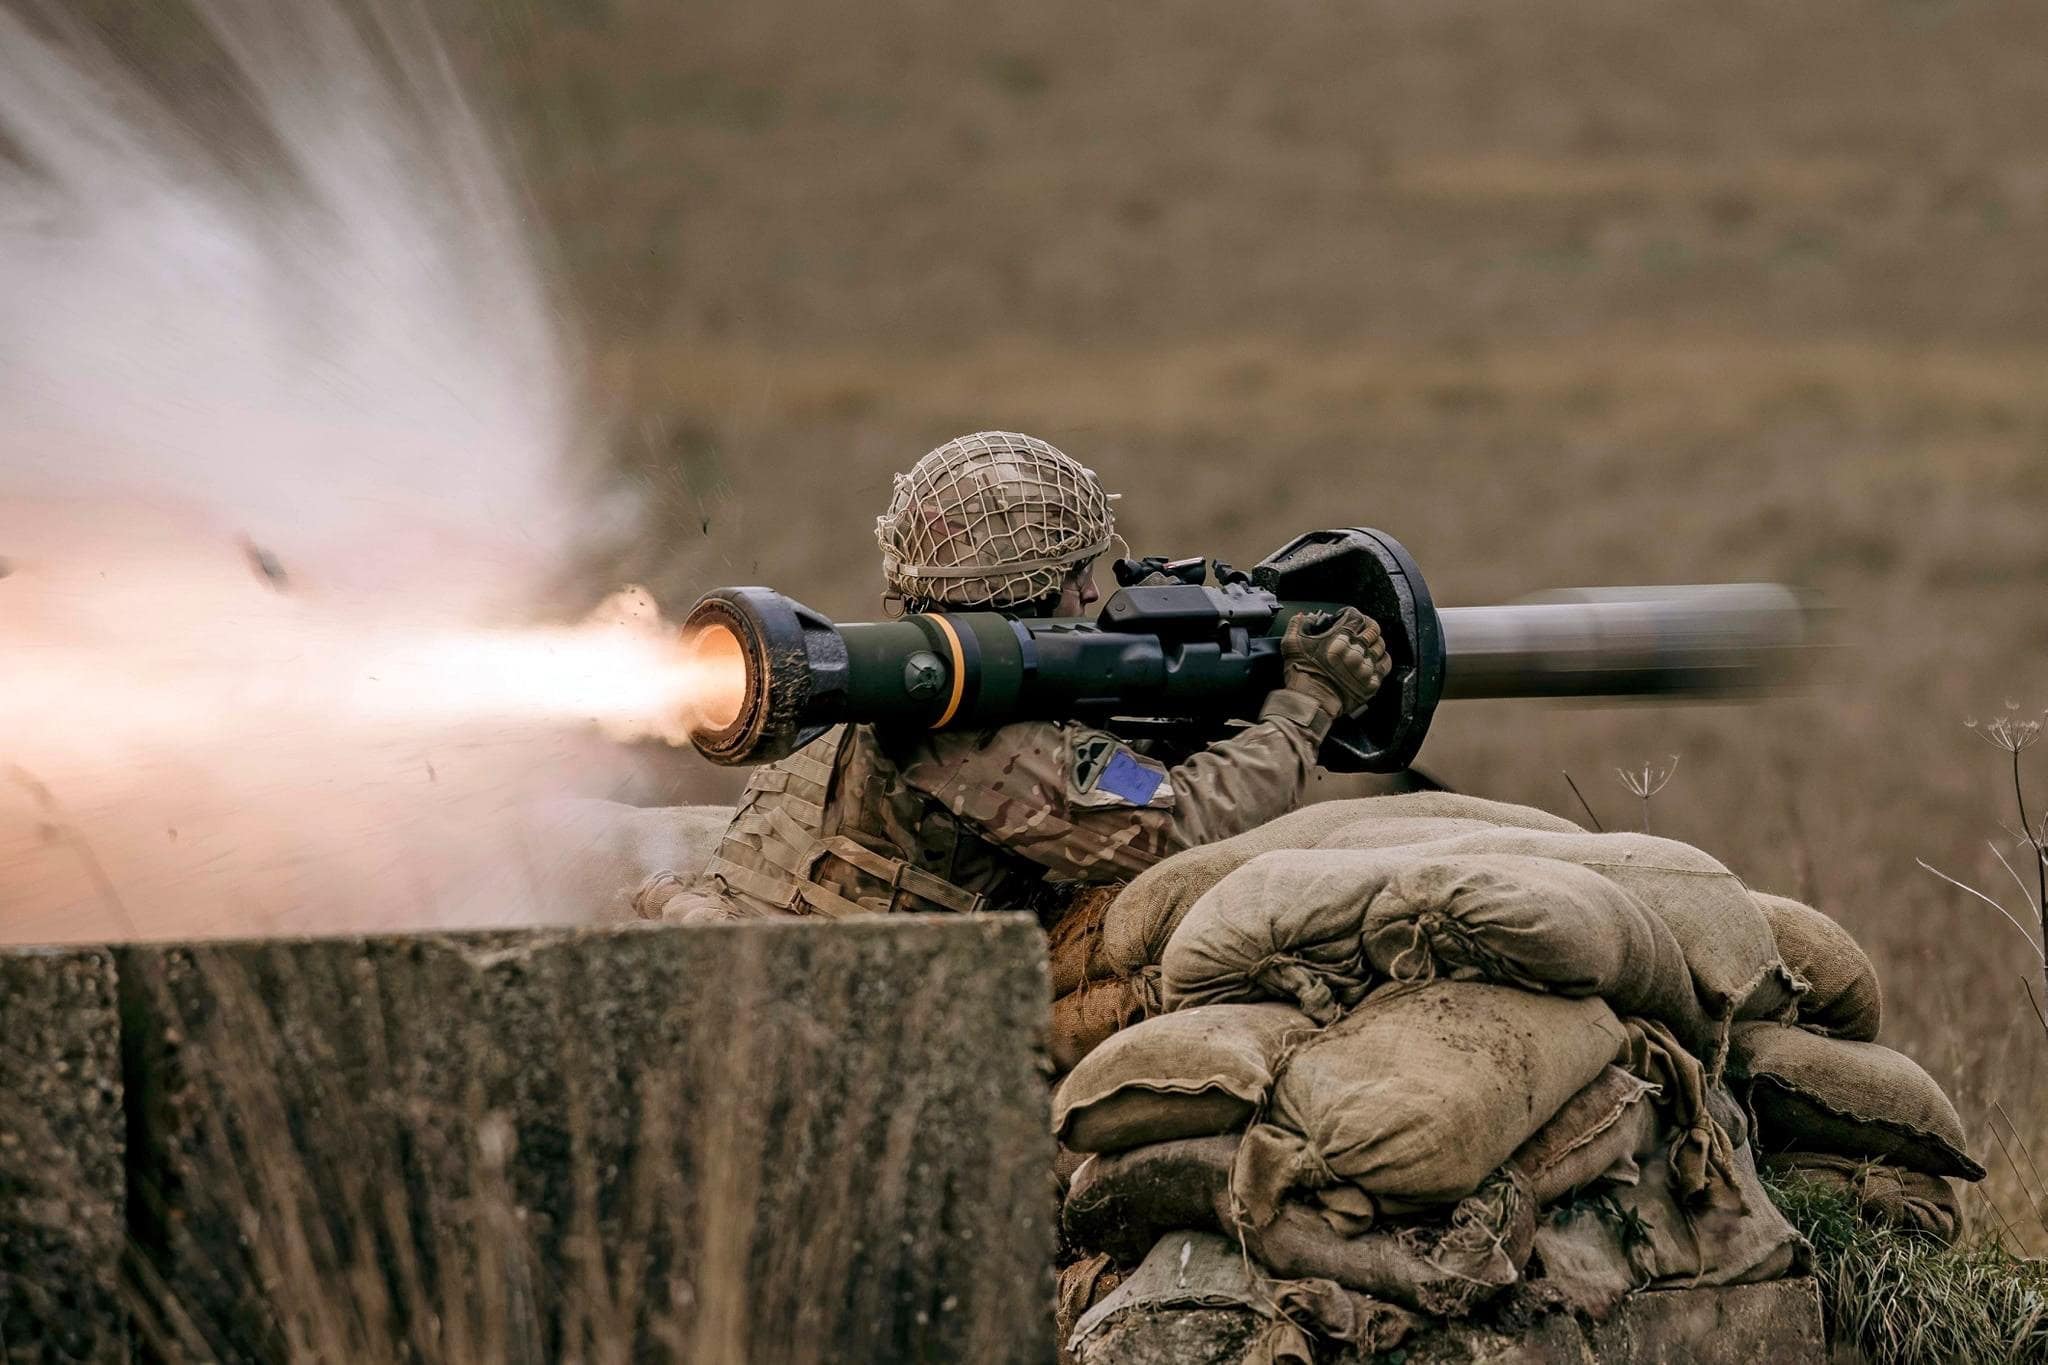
1592,642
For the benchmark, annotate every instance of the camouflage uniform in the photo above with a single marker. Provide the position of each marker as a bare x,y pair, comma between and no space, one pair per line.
862,821
991,819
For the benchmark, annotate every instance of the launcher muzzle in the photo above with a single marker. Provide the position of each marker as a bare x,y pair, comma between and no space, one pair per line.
1201,657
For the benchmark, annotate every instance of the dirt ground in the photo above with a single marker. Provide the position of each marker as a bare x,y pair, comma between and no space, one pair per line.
1584,292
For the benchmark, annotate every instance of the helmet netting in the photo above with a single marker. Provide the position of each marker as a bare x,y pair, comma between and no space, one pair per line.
993,519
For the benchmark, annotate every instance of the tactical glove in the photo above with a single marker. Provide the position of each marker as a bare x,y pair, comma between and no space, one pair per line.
1336,661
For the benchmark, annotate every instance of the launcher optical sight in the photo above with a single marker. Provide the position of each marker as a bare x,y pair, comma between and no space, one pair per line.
1197,657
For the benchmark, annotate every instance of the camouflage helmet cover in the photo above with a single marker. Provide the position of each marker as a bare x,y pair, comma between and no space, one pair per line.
991,520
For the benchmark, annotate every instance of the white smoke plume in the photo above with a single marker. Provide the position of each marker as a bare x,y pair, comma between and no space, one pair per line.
283,439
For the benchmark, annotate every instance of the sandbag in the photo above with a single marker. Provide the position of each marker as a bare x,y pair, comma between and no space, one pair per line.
1577,1262
1144,916
1719,927
1736,1237
1594,1137
1539,923
1445,1269
1842,997
1187,1273
1189,1073
1065,1161
1695,1111
1285,926
1886,1195
1120,1202
1814,1094
1076,938
1422,817
1079,1287
1422,1091
1083,1019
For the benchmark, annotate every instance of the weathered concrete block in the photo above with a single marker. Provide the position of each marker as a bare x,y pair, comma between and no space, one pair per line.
1778,1321
768,1141
62,1184
1555,1340
1175,1336
1194,1298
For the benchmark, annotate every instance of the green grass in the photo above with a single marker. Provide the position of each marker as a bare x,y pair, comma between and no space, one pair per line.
1904,1297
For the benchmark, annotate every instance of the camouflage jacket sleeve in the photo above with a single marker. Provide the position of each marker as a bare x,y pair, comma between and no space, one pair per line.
1088,807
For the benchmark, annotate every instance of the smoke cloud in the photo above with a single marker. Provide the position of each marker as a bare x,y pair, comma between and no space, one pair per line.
284,438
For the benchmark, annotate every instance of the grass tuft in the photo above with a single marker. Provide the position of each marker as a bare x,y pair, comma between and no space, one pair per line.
1904,1297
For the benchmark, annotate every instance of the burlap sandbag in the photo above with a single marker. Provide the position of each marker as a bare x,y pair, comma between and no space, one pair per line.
1145,915
1083,1019
1065,1161
1443,1268
1422,1092
1120,1202
1188,1275
1842,996
1719,927
1699,1145
1595,1136
1422,817
1588,1254
1189,1073
1076,938
1286,926
1080,1286
1815,1094
1736,1237
1887,1195
1539,923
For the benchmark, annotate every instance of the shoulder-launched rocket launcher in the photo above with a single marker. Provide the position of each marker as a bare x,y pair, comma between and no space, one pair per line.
1201,656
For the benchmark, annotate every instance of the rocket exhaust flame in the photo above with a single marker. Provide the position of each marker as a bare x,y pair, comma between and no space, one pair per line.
282,436
632,678
185,750
717,681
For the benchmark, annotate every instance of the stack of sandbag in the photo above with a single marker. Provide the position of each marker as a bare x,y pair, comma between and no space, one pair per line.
1833,1105
1088,1004
1653,926
1107,946
1419,1151
1456,1049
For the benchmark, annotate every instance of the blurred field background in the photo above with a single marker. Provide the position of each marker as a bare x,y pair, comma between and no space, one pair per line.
1570,293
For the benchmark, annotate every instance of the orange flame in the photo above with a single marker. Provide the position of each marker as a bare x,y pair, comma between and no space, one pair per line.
185,749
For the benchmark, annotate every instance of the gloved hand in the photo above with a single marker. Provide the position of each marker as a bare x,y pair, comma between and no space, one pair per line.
1337,661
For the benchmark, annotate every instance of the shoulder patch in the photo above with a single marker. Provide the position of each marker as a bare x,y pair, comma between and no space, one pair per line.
1103,772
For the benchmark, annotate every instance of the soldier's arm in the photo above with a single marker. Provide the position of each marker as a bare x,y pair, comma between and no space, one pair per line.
1089,808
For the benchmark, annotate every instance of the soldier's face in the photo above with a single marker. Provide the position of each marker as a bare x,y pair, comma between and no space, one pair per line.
1077,591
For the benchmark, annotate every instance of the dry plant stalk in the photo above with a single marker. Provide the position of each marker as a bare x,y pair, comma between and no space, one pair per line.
512,1151
408,1239
2012,735
1645,782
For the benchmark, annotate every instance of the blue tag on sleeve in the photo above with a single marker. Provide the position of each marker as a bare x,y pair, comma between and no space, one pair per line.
1124,776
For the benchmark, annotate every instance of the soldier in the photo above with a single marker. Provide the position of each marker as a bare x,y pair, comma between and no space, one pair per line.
863,820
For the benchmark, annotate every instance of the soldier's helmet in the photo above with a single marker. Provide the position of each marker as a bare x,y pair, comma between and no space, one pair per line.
995,519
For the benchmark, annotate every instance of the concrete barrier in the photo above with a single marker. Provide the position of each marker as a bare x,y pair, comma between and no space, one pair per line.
780,1141
1194,1300
62,1184
1779,1323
